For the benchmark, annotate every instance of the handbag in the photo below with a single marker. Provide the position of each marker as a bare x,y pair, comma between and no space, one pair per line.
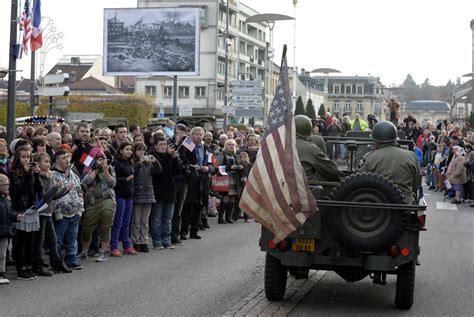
220,183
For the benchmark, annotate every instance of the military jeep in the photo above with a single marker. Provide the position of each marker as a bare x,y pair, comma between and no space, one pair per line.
363,228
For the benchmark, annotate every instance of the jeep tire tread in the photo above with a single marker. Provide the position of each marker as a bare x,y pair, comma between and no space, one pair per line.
405,285
275,278
366,229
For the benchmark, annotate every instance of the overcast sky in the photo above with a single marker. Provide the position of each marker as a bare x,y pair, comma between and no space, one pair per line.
389,39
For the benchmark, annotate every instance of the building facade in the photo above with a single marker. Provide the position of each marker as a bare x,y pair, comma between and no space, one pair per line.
247,57
427,110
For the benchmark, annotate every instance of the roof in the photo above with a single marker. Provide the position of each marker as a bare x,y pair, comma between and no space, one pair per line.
93,84
427,105
78,70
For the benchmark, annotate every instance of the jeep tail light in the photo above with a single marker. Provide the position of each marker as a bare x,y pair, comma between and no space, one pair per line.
405,252
284,245
272,245
422,220
394,251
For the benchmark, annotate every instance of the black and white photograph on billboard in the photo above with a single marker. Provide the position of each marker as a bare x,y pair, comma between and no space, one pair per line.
151,41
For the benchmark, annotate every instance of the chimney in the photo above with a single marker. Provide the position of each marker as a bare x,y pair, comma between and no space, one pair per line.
75,60
302,72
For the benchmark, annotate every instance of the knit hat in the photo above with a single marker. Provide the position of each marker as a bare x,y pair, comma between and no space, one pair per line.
66,147
97,152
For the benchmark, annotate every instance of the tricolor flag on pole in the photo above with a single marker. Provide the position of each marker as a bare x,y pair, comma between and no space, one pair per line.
25,23
188,143
86,159
41,205
36,35
277,194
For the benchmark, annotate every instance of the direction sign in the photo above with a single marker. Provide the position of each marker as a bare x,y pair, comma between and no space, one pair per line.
241,90
249,113
243,104
227,109
54,91
185,111
246,98
255,83
52,79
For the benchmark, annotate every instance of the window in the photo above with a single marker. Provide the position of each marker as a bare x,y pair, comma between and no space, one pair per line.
335,109
183,92
168,91
347,107
377,108
360,89
220,68
460,112
150,91
337,89
348,89
359,107
220,95
200,92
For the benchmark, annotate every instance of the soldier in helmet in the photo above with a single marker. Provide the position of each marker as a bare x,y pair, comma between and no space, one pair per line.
389,160
317,166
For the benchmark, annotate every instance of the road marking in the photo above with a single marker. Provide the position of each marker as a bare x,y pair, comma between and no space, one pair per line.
446,206
256,304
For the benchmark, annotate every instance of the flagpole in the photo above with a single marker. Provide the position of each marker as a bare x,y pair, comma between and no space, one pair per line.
12,74
32,84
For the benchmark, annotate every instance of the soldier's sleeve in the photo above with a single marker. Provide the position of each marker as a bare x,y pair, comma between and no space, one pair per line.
326,167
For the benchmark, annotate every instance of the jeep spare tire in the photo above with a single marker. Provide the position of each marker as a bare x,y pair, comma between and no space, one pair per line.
366,229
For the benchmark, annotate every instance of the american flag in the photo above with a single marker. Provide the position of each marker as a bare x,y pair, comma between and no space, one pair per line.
37,35
188,143
277,194
25,23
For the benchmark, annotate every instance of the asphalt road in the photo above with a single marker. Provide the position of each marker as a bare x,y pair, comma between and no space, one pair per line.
444,284
202,278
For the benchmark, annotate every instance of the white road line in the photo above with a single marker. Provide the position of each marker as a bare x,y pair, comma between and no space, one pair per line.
446,205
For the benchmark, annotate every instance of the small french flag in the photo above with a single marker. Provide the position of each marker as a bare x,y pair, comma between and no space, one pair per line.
188,143
41,205
86,159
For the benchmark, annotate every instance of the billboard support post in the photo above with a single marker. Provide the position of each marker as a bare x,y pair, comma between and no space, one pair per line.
175,99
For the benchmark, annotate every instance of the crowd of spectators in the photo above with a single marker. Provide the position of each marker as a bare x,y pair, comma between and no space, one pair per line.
79,192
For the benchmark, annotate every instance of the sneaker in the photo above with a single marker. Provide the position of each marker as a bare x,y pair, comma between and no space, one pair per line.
130,251
169,246
83,255
42,271
116,253
144,248
92,253
75,266
137,247
195,236
62,268
158,247
3,279
183,237
102,256
24,276
31,273
177,241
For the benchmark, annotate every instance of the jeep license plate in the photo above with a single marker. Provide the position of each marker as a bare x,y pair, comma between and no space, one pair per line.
303,245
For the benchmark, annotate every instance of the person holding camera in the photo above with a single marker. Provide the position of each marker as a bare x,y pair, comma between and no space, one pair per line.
81,145
146,168
98,185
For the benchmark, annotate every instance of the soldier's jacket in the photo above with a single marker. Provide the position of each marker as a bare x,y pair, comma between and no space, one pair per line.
317,166
398,165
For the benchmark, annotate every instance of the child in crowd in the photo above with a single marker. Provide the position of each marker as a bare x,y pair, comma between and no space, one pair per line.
7,217
124,195
165,193
245,162
145,169
25,189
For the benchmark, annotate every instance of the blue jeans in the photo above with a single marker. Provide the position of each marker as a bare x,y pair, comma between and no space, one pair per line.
121,226
66,232
162,213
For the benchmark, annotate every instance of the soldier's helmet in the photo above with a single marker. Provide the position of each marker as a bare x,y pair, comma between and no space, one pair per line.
384,132
303,125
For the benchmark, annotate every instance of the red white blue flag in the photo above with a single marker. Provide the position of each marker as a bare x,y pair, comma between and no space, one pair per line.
36,35
188,143
25,24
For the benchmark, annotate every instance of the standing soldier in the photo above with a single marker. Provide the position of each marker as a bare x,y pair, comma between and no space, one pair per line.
394,106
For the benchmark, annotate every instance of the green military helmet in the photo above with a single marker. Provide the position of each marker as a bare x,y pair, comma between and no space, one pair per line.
303,125
384,132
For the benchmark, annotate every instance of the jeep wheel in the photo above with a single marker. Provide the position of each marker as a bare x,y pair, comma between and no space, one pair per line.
405,285
275,278
366,229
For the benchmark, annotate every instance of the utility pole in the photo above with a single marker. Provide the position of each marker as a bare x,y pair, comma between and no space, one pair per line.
32,84
295,70
226,71
12,74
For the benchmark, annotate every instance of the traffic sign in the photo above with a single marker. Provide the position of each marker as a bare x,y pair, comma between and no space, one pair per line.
243,104
248,113
246,98
185,111
54,91
241,90
52,79
227,109
255,83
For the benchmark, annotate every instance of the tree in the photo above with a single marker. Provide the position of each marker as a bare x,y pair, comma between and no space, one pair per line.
310,112
299,106
409,82
322,111
471,120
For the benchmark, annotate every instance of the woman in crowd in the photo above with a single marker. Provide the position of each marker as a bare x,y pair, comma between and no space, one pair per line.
229,160
124,195
4,160
41,132
39,145
146,168
456,173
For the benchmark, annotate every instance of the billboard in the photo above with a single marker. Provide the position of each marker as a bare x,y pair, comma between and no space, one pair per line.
151,41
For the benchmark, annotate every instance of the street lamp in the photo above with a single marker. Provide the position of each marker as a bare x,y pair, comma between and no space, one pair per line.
326,72
269,19
51,40
162,80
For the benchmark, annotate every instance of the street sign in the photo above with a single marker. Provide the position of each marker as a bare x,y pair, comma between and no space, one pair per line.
255,83
55,79
243,104
246,98
248,113
246,90
227,109
54,91
185,111
61,104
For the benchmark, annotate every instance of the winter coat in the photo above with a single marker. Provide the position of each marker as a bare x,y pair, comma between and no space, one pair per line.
72,203
124,187
24,190
7,217
457,174
228,160
198,187
164,186
143,181
89,185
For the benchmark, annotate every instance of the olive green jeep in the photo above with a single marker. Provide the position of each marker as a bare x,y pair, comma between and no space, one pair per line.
363,228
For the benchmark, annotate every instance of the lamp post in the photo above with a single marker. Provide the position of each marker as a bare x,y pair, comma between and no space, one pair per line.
269,19
51,40
326,72
295,71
